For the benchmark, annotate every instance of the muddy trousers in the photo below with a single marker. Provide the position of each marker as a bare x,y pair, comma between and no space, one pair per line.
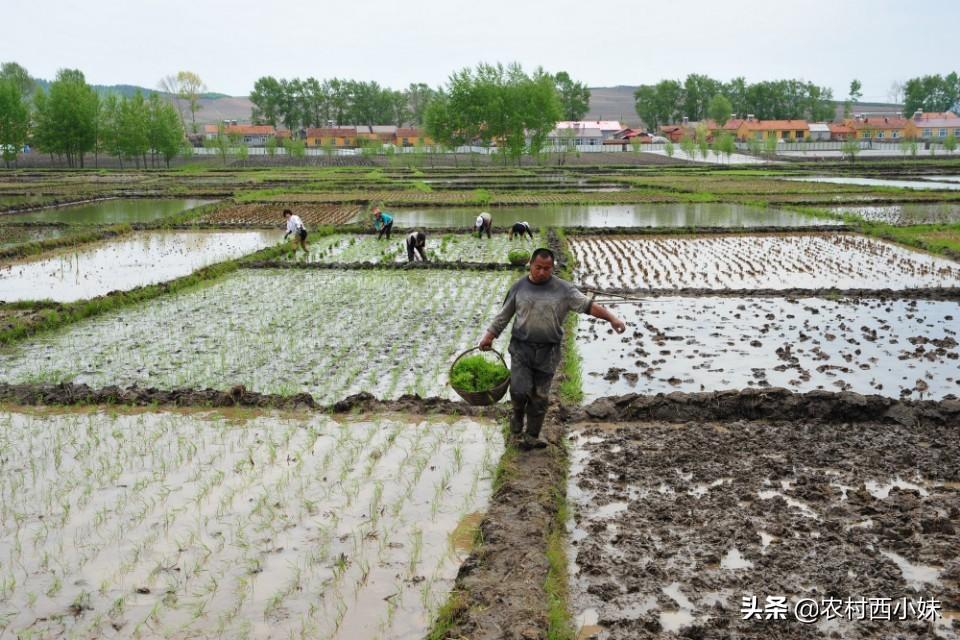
532,366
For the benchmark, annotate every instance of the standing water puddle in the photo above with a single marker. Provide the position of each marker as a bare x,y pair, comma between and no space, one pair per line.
915,575
110,212
123,263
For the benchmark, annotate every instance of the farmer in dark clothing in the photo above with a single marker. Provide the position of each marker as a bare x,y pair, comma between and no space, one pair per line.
417,243
382,222
483,223
540,302
519,229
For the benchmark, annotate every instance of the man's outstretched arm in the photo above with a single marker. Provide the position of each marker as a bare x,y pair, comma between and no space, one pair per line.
600,311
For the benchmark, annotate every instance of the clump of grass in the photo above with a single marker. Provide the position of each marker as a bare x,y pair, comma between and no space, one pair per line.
477,373
518,256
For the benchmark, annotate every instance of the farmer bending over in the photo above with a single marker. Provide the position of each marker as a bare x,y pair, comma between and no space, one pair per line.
382,222
417,243
484,223
519,229
295,226
540,302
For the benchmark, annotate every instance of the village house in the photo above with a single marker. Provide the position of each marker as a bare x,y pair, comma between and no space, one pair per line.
936,126
787,130
338,137
819,132
411,137
840,131
883,128
250,135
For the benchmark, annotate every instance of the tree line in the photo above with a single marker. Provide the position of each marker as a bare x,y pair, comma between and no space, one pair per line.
931,93
699,97
295,103
68,119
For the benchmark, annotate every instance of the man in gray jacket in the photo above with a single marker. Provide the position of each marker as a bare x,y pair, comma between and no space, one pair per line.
540,302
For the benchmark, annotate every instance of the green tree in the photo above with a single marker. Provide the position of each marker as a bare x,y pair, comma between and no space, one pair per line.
950,143
295,147
66,117
14,119
850,148
908,146
725,145
931,93
668,148
574,97
418,97
134,128
659,104
689,146
271,146
754,145
493,103
720,109
164,130
770,145
698,91
191,89
267,98
856,92
18,75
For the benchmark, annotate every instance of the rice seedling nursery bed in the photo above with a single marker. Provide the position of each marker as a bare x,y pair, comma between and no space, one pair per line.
774,261
329,333
892,347
676,523
160,524
447,247
123,263
271,215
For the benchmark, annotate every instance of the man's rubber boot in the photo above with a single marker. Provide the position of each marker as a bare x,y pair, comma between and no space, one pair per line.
531,439
516,419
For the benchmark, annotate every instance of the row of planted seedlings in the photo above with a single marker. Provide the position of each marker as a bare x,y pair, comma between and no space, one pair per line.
170,523
178,576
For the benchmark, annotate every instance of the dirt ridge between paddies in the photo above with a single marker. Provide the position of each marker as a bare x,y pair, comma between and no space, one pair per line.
72,394
767,404
913,293
95,234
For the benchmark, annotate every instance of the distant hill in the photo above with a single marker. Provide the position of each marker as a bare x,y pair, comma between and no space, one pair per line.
125,90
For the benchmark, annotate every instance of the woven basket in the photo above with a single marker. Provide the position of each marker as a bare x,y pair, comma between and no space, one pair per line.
481,398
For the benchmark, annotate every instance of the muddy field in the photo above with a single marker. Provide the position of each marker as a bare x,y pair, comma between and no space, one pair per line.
761,261
895,348
676,523
123,263
159,524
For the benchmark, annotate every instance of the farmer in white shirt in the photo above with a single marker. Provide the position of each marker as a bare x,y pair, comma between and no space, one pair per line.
483,223
295,226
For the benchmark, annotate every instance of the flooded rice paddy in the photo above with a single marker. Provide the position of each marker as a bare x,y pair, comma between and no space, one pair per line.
13,235
675,524
896,348
930,183
110,212
713,214
328,333
123,263
905,214
175,525
770,261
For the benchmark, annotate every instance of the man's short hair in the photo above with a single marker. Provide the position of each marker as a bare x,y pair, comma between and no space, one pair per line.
287,212
543,252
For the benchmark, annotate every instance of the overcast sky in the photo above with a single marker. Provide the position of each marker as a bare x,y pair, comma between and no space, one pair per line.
232,43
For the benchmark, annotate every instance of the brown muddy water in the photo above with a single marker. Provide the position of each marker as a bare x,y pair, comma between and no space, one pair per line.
674,524
186,524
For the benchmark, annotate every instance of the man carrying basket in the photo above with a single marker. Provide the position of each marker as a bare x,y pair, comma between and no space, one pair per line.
540,302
